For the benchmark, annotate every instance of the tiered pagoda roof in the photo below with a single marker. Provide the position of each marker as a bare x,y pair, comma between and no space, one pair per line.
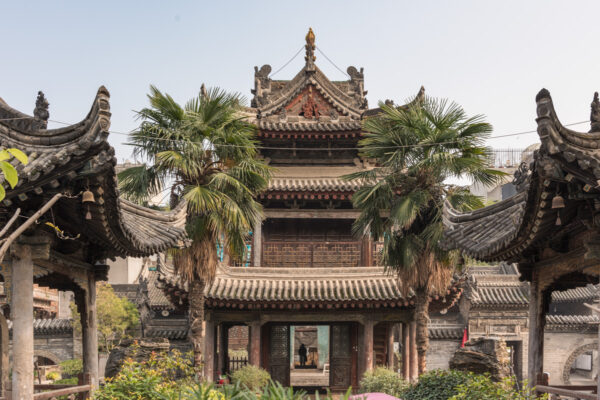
305,182
74,159
302,288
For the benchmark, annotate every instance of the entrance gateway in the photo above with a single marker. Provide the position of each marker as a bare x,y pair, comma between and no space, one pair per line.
334,368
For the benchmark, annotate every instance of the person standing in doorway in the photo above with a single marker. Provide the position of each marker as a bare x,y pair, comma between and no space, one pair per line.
302,354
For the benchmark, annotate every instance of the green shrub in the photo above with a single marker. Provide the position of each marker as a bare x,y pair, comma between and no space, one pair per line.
162,376
71,368
254,378
481,387
53,376
66,381
382,380
437,385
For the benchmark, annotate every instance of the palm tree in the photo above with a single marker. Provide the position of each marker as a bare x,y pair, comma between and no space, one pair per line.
416,149
205,154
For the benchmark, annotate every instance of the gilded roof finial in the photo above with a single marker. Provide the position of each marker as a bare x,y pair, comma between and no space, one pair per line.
310,49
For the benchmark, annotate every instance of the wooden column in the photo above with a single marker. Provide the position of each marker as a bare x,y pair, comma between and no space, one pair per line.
21,310
4,359
537,321
405,352
89,331
222,364
390,345
368,345
367,251
209,350
254,352
257,243
414,359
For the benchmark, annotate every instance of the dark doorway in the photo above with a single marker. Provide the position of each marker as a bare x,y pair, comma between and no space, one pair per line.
515,348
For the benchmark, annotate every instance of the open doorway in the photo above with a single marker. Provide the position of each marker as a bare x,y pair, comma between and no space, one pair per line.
309,355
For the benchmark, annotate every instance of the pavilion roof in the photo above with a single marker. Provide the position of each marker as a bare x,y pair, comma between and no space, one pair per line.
515,228
76,158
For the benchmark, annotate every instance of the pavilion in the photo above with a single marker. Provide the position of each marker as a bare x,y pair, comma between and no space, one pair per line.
550,227
71,174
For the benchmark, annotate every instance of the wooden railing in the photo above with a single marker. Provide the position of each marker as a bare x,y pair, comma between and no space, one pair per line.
569,392
72,392
311,254
236,363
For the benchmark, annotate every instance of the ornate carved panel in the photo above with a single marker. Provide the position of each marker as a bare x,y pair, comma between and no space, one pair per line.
309,103
341,357
280,354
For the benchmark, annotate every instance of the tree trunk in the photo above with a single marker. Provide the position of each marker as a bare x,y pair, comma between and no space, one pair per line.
196,299
422,320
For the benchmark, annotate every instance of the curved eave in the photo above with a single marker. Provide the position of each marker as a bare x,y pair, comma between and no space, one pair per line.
78,157
128,229
503,231
566,144
55,149
342,102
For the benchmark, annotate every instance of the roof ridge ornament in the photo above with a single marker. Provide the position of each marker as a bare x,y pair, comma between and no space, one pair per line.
595,114
41,112
310,50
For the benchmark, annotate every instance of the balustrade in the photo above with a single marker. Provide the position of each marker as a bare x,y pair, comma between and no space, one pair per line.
568,392
311,254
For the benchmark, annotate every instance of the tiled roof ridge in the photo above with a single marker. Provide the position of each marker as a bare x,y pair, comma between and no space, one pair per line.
304,273
572,319
49,325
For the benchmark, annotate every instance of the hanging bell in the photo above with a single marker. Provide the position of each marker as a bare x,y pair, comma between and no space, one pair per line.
88,197
558,202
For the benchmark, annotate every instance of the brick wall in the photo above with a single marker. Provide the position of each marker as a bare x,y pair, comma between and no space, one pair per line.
558,346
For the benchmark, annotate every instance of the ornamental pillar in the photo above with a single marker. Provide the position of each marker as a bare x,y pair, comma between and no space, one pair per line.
209,350
406,352
257,242
414,358
368,345
254,343
21,310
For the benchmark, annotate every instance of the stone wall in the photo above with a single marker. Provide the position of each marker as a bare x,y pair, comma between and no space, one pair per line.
440,352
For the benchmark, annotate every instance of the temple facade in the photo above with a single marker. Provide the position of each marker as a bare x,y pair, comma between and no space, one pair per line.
307,281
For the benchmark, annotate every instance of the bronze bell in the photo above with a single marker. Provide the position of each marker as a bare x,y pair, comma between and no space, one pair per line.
558,201
88,197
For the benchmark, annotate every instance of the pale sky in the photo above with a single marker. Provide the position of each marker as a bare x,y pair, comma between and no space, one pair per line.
492,57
